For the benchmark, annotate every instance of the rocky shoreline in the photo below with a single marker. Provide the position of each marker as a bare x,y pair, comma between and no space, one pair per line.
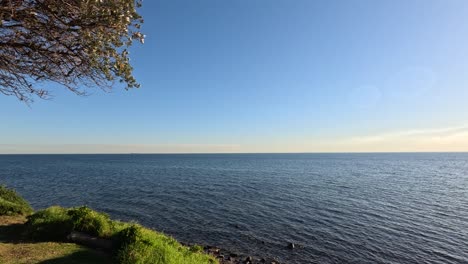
228,257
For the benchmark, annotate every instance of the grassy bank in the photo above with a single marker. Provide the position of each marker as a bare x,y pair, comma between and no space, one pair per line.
15,248
11,203
41,237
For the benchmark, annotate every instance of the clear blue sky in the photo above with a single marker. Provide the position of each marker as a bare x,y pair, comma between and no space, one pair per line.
271,76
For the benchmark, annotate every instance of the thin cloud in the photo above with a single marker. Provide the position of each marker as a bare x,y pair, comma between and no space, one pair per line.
423,133
432,139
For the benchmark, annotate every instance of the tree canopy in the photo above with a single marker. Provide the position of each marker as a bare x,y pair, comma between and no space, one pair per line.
77,43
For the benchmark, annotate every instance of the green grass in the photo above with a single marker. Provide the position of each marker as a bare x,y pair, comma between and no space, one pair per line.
49,228
55,223
51,224
141,245
50,253
133,243
16,249
11,203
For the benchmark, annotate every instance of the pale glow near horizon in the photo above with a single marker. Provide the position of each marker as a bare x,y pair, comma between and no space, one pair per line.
448,139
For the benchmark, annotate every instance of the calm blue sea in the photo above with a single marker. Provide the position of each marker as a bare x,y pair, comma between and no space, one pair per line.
342,208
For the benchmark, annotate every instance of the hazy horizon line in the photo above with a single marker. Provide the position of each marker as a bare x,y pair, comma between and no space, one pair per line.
228,153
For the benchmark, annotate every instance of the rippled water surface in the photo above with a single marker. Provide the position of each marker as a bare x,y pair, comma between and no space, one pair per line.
342,208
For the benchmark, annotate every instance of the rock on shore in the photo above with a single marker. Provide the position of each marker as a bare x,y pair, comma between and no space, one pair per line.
227,257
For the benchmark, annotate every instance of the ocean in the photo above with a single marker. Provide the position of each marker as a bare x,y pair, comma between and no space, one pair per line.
336,208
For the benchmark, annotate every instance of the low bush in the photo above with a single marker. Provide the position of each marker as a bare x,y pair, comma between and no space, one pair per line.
55,223
11,203
140,245
51,224
90,222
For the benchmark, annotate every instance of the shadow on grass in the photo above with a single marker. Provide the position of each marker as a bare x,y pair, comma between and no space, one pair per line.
80,257
12,233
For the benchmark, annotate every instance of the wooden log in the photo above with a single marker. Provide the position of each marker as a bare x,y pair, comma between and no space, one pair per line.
90,241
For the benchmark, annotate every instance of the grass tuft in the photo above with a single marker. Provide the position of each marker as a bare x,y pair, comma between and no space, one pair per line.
141,245
51,224
11,203
90,222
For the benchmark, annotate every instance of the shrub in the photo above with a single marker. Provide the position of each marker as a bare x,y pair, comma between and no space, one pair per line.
134,247
90,222
55,223
141,245
11,203
51,224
